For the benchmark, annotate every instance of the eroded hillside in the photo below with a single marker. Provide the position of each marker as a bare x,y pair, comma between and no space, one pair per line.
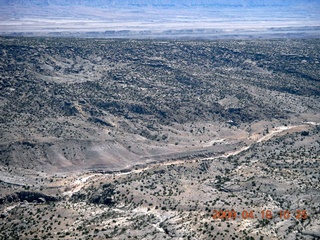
87,103
143,139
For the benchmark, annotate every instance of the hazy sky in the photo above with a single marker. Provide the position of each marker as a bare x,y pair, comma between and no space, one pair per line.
158,2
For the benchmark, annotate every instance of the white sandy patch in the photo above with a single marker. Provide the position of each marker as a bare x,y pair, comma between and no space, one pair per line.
79,184
208,144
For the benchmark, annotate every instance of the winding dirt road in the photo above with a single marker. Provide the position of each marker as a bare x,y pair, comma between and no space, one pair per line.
81,181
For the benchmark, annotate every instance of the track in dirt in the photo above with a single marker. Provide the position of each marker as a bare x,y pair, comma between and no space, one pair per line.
82,181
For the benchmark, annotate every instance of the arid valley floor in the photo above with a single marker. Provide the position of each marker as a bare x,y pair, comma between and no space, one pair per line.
147,139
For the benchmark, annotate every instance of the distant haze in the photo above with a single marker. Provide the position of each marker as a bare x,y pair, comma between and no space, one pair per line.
159,2
161,18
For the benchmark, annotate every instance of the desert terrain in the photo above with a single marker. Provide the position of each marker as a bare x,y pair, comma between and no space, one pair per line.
146,139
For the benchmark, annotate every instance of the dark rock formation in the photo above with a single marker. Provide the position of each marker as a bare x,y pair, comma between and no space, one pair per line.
27,196
97,196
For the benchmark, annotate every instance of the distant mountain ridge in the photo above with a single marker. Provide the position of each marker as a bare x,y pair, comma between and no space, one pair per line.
105,3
